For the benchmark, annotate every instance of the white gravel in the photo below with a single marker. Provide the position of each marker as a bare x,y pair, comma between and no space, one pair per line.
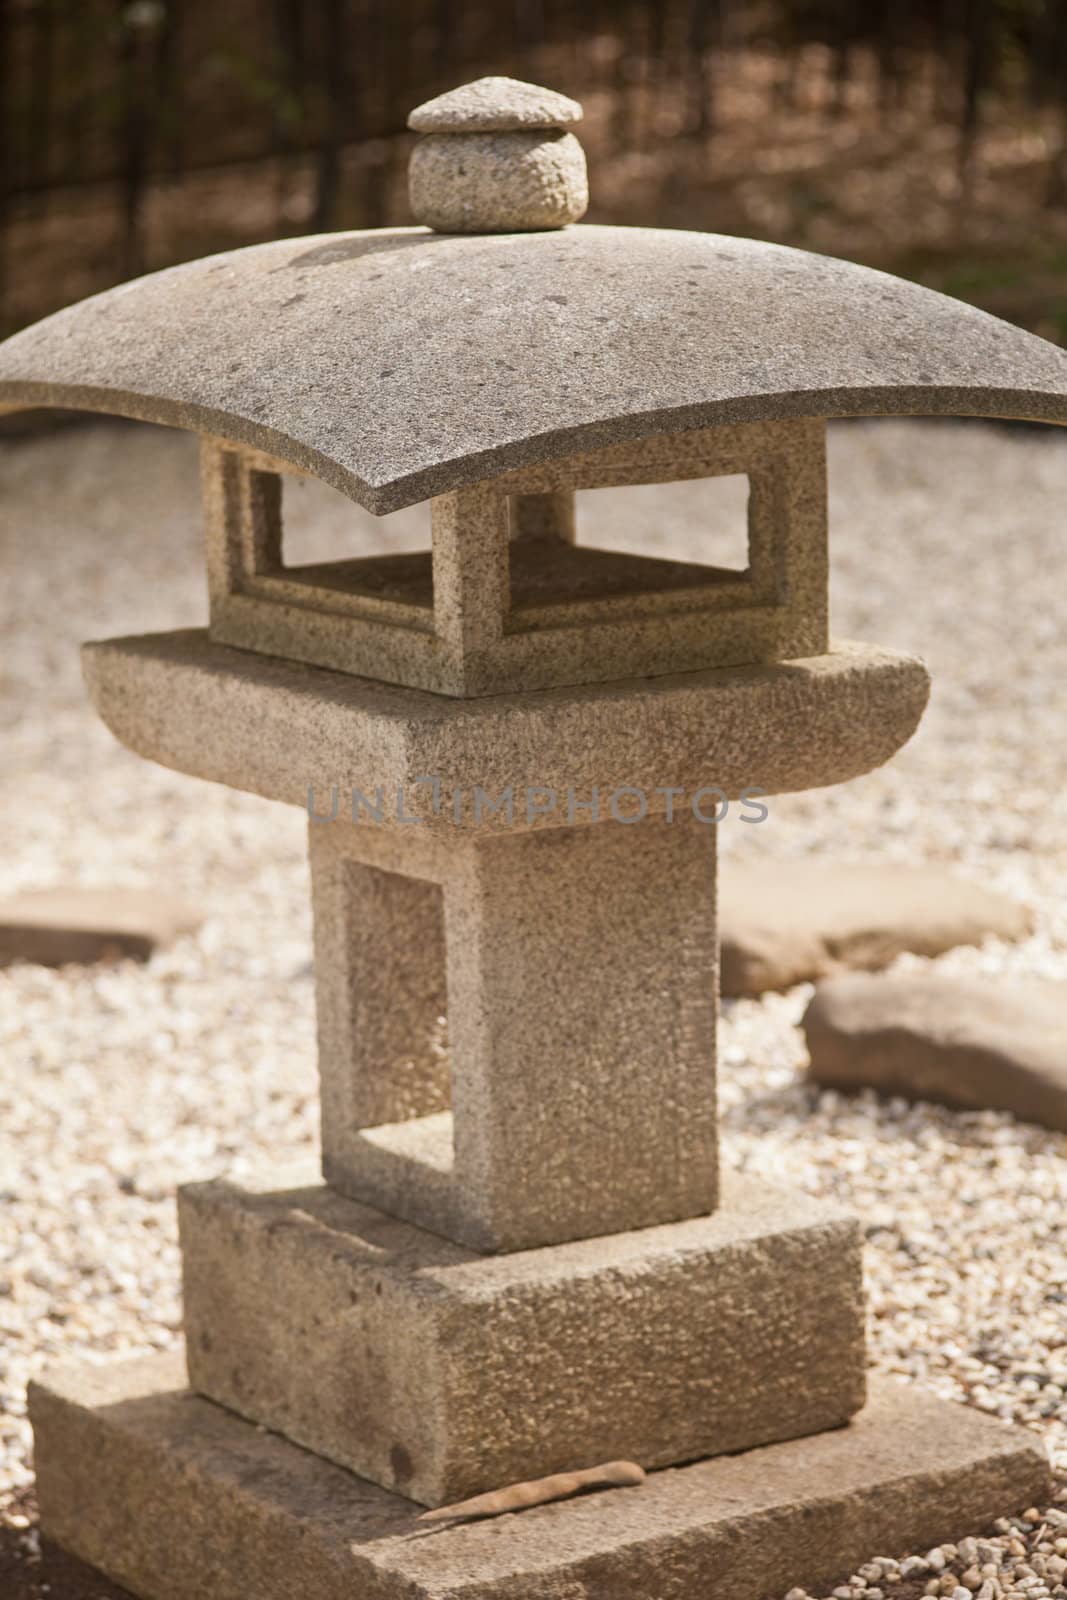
119,1082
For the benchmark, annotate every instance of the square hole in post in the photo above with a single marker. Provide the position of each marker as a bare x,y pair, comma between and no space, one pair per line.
381,990
572,555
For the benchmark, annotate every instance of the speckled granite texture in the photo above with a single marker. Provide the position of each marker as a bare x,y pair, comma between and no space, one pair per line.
175,1496
487,613
495,104
276,728
441,1373
399,364
581,983
498,182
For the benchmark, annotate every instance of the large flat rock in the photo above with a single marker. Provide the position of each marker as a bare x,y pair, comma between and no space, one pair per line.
180,1500
54,927
789,922
975,1043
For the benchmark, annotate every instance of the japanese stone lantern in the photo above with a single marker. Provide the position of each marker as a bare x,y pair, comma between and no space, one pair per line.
523,1258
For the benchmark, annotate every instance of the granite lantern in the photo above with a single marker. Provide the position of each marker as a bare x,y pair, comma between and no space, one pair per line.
523,1257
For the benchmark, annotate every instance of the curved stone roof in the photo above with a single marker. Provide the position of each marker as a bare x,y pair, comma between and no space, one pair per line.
399,364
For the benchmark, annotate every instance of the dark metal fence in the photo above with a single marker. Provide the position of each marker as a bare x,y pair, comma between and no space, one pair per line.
118,116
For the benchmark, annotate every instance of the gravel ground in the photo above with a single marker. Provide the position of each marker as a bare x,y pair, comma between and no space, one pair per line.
119,1082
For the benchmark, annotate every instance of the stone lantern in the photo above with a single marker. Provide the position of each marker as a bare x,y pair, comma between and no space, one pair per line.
523,1258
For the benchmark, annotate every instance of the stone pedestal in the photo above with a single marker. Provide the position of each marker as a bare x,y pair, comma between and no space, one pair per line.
522,1260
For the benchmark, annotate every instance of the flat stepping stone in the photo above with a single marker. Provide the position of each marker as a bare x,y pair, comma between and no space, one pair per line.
56,927
788,922
975,1043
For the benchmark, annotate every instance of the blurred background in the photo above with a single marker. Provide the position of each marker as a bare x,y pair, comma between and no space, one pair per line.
928,137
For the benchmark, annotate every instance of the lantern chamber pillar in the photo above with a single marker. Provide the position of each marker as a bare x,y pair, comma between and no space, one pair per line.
580,969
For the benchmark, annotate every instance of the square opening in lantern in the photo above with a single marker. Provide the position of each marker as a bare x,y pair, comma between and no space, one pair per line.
318,547
651,547
699,520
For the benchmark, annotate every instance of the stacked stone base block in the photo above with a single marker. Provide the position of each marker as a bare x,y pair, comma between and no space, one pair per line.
178,1499
441,1373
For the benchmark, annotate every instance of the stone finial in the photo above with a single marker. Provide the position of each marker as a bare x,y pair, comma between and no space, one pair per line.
495,105
496,158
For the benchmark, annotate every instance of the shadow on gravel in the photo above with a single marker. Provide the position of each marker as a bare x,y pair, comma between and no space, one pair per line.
50,1575
34,1572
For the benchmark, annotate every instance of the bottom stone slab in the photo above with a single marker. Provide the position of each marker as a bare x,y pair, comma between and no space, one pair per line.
178,1499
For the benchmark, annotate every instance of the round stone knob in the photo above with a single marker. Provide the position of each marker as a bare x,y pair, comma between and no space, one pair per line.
496,157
